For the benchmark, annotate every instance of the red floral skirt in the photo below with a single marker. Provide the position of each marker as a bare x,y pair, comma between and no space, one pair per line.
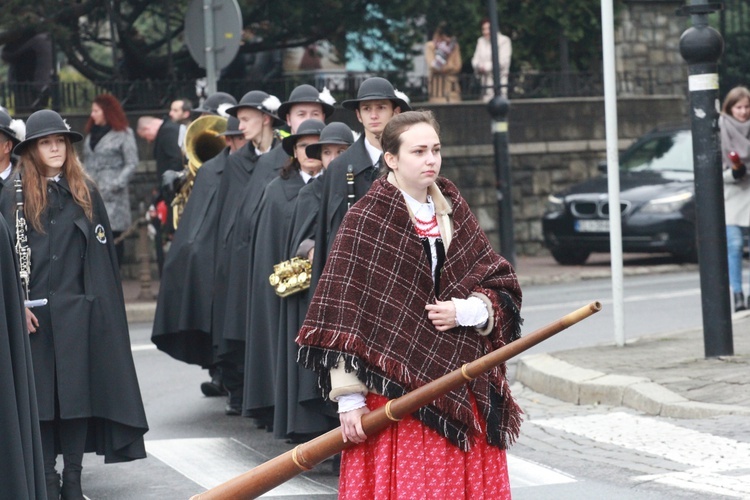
409,460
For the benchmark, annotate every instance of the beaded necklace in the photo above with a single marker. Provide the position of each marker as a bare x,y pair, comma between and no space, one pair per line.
427,228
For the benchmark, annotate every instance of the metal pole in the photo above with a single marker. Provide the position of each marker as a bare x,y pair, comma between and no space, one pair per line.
701,46
208,30
498,108
613,170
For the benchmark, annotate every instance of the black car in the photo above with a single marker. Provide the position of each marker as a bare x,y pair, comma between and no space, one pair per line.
656,202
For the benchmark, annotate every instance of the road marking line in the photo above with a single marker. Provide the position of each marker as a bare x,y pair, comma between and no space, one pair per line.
632,298
209,462
717,465
525,473
142,347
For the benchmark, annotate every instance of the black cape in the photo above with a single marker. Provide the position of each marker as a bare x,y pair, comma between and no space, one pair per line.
249,175
182,323
299,408
83,365
269,248
21,466
333,203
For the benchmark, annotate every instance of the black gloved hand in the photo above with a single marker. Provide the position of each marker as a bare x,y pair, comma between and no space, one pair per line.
739,171
171,182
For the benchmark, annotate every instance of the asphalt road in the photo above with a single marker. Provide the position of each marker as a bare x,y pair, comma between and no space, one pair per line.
192,445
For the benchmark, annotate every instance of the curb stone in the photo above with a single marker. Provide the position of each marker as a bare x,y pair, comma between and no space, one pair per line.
553,377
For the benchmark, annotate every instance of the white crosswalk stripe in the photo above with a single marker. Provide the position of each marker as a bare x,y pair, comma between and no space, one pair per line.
209,462
212,461
717,465
524,473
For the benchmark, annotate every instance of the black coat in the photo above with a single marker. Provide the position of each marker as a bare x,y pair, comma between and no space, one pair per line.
182,323
269,248
81,349
21,467
234,256
167,152
299,406
333,204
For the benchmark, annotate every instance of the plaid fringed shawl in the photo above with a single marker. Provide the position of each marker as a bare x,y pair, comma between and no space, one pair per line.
369,308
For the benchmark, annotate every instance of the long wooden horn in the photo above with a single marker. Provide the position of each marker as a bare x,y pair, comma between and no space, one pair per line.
304,457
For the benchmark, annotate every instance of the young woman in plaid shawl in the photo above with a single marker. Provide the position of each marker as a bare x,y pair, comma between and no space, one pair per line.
412,290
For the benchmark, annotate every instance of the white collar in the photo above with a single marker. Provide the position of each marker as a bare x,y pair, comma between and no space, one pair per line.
423,211
374,152
6,172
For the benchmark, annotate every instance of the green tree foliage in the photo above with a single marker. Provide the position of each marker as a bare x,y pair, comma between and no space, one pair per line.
547,36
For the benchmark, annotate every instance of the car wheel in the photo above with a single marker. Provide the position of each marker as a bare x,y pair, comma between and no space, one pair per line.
570,256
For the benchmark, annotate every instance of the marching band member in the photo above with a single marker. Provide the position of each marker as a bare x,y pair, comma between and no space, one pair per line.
21,466
182,323
242,183
11,133
86,386
270,245
376,103
300,412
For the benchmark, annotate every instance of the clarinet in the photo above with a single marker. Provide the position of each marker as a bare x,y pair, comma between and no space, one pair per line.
22,248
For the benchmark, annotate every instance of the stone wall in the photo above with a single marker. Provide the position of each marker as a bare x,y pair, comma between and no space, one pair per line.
647,40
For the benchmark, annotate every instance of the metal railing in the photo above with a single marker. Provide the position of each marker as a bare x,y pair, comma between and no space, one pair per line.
70,97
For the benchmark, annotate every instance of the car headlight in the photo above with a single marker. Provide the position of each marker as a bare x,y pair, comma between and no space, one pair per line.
554,204
667,204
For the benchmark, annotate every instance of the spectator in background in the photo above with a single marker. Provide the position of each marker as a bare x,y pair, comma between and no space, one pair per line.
443,57
734,124
168,155
179,112
180,109
110,157
482,61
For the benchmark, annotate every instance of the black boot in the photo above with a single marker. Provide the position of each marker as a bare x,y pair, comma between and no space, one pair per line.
53,485
71,485
739,302
216,386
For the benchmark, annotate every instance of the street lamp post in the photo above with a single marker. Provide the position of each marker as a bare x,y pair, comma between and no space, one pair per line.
498,108
701,46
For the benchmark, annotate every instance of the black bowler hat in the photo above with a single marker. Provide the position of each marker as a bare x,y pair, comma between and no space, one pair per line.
233,127
377,88
14,129
257,99
307,127
43,123
307,94
333,133
216,104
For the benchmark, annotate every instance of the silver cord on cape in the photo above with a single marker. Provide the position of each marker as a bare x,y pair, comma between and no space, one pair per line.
22,247
350,186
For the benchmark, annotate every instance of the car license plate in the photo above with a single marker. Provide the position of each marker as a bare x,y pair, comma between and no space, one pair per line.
592,226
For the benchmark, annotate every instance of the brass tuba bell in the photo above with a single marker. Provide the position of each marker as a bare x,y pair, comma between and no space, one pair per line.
202,142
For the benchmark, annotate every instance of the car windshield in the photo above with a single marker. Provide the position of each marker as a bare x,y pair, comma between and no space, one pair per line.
661,153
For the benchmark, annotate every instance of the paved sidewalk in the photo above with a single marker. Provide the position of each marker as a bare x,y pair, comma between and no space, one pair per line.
664,375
